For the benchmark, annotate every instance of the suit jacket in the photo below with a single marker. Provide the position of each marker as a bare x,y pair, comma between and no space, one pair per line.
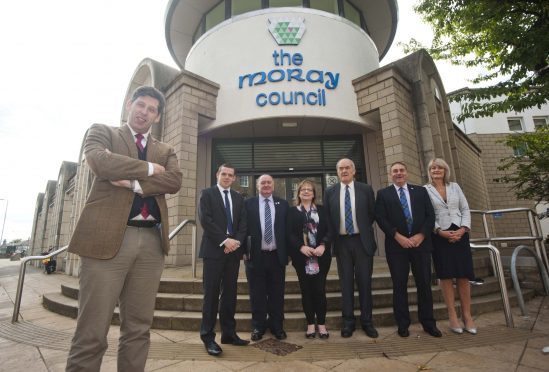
254,231
455,210
294,231
364,208
390,216
211,212
101,226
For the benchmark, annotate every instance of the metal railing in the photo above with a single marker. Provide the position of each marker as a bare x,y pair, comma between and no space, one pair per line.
514,276
533,224
25,260
497,266
193,242
535,236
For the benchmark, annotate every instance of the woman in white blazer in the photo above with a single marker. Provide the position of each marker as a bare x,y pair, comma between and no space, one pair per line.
451,250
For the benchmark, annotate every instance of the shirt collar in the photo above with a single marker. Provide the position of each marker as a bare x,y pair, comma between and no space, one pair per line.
145,135
221,189
262,198
405,187
350,184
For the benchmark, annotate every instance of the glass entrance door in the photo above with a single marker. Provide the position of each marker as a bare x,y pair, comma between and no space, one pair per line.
285,186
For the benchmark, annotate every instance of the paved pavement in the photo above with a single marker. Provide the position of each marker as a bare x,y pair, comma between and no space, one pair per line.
40,342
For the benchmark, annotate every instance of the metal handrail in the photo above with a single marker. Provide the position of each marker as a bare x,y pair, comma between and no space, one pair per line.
497,266
193,242
533,223
514,276
22,270
23,267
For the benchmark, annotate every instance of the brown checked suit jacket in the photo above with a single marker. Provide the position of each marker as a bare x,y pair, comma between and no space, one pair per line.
101,226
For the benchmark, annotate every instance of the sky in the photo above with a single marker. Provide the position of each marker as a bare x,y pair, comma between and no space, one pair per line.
66,64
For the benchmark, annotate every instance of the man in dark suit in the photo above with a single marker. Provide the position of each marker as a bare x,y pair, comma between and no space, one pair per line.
405,214
223,217
350,209
266,264
122,234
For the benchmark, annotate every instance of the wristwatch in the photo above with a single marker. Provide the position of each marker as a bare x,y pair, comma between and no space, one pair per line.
437,230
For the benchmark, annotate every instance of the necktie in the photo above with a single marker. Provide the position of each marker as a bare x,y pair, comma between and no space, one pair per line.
348,212
145,210
268,223
406,210
138,138
228,212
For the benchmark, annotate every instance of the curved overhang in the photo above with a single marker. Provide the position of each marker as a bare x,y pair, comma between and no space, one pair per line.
152,73
183,17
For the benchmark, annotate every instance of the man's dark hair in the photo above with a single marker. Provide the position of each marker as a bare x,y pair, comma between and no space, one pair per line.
225,165
151,92
398,162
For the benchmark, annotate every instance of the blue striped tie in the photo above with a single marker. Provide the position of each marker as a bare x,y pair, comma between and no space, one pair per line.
228,213
268,223
348,212
406,210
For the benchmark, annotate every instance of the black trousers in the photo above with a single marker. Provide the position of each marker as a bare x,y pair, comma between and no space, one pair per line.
313,291
267,292
353,263
400,262
219,278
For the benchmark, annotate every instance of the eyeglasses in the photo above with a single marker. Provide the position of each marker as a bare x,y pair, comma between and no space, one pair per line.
306,190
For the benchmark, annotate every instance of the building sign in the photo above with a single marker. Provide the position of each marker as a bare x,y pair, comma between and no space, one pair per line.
288,67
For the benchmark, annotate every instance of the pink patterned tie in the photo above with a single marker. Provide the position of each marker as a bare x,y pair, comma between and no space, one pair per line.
139,137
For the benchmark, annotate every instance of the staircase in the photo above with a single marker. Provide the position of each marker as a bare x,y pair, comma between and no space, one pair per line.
179,299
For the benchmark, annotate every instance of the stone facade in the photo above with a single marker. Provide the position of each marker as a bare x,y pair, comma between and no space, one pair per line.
500,194
407,119
188,99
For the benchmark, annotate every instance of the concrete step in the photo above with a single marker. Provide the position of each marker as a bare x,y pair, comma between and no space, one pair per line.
381,298
294,320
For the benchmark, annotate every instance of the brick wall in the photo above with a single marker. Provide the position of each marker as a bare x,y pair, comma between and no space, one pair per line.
388,92
470,176
500,195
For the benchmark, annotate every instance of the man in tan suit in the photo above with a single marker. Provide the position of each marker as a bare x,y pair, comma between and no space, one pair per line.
122,234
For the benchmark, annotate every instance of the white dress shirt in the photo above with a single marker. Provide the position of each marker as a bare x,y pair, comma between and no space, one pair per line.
136,186
265,246
407,194
342,230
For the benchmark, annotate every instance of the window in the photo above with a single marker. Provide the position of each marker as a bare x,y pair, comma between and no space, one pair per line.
215,16
329,6
282,3
244,181
352,13
515,124
520,150
540,121
243,6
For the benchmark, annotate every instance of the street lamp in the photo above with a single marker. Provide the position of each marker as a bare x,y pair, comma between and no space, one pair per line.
4,223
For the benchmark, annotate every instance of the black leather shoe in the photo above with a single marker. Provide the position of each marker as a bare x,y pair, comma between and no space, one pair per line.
234,340
347,332
213,348
370,331
257,335
280,335
403,332
433,331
